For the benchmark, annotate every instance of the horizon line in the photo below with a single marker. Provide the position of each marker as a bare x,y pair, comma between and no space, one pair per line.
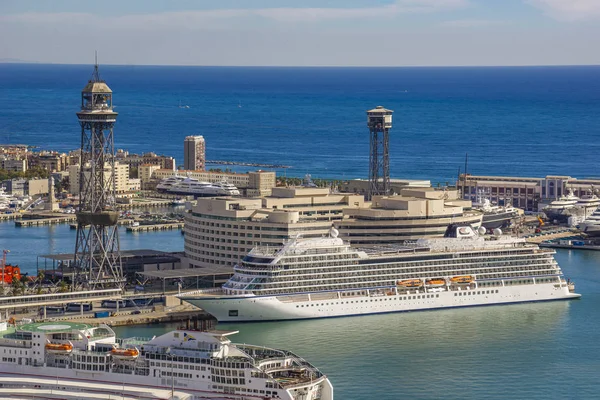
25,62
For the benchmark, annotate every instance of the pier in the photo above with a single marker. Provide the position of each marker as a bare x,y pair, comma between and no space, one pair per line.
62,219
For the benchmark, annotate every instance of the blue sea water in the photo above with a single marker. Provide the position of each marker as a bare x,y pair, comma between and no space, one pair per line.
524,121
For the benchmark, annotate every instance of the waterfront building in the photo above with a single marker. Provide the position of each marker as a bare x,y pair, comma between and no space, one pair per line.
13,165
194,153
136,160
51,161
122,181
14,151
416,213
21,187
251,184
221,231
529,194
361,186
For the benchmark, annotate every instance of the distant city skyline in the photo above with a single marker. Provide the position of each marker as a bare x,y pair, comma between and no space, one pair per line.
303,33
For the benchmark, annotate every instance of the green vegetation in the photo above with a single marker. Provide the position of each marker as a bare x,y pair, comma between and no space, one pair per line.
33,173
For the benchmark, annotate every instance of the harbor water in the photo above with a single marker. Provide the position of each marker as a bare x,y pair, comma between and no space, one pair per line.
547,350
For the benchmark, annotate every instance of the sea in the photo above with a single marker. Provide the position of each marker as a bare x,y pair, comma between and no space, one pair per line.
521,121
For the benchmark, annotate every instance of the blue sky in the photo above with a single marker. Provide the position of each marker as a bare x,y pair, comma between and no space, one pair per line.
308,32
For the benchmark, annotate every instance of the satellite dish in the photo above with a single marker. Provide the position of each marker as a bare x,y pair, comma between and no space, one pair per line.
481,230
497,231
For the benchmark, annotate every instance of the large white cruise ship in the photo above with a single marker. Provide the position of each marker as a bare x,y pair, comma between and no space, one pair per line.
65,360
325,277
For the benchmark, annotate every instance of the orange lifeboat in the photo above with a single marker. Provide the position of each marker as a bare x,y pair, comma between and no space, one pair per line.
462,279
435,282
57,348
410,283
126,354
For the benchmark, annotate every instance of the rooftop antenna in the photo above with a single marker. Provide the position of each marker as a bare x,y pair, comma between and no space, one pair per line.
96,73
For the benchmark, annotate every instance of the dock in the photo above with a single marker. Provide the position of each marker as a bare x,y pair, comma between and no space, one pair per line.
155,227
156,315
8,217
559,245
550,235
59,219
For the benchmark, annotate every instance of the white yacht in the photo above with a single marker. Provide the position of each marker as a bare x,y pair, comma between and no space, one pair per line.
61,360
563,208
325,277
495,216
168,183
188,186
591,225
589,202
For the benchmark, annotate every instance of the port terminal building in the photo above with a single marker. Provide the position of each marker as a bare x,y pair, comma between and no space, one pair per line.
221,231
529,194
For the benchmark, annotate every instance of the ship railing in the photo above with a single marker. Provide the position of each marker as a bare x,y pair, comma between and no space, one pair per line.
202,291
15,343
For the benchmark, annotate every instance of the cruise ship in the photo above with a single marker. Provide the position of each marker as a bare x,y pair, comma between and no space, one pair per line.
193,187
326,277
65,360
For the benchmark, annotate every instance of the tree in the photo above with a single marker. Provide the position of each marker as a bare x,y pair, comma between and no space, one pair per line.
18,288
63,287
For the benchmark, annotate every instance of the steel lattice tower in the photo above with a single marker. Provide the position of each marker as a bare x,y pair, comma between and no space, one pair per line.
97,253
379,121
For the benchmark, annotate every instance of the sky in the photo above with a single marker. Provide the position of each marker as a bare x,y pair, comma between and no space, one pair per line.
302,33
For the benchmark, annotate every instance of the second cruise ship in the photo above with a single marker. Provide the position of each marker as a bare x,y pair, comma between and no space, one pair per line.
325,277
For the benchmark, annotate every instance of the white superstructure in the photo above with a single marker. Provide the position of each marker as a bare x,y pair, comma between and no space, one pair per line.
326,277
194,187
186,364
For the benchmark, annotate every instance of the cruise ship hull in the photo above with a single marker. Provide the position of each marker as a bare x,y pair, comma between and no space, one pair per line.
274,308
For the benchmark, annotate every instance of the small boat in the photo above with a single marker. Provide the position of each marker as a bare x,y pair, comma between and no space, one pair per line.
126,354
462,279
59,348
435,282
410,283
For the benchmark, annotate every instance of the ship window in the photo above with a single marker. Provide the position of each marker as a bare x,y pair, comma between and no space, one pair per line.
233,313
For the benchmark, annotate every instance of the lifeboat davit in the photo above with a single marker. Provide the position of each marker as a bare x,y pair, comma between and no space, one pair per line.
462,279
410,283
57,348
125,354
435,282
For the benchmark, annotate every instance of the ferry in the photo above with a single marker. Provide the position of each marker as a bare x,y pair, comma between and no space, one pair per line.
326,277
58,360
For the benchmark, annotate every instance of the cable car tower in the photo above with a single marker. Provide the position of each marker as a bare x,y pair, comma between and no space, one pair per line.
379,121
97,253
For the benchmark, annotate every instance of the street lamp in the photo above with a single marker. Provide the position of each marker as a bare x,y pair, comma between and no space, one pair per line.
172,376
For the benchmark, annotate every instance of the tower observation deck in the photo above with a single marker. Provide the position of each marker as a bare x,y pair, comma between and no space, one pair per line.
379,121
97,253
